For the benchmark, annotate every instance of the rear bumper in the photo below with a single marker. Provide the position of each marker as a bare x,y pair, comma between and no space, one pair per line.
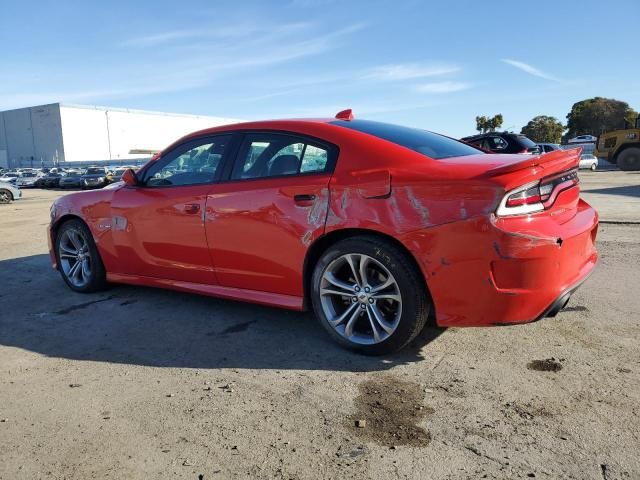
488,271
559,303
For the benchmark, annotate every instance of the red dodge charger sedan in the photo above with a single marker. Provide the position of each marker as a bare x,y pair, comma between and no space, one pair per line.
377,227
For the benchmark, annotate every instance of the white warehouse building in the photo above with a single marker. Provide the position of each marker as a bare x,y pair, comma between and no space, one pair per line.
60,134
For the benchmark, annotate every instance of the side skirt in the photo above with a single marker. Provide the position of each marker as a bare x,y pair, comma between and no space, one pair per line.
252,296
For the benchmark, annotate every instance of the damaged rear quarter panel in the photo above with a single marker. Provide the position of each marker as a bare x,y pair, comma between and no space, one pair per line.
368,191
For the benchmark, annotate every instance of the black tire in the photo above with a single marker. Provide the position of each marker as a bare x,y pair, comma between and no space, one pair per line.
629,159
415,300
97,277
5,196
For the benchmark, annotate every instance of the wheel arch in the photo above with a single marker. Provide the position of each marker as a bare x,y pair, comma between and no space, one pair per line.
324,242
62,220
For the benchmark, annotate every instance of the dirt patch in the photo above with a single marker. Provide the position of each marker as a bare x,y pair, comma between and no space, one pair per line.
547,365
388,411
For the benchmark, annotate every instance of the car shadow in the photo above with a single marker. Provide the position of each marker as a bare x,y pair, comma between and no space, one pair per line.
626,191
160,328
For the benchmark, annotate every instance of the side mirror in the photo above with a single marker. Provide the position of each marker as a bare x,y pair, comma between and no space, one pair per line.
129,177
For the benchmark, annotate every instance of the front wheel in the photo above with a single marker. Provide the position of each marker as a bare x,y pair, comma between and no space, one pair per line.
369,295
593,167
78,259
5,196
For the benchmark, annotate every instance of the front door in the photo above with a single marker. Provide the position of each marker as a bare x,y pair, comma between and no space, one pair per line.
261,222
158,225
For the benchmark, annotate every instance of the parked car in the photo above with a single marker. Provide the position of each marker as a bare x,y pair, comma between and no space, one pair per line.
10,176
583,139
588,161
548,147
9,192
117,173
95,177
72,179
376,227
52,180
26,179
40,181
503,142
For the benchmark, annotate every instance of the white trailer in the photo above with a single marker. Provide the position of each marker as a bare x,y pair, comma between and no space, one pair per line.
61,133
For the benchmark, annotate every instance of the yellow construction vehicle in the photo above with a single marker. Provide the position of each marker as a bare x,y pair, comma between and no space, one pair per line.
621,146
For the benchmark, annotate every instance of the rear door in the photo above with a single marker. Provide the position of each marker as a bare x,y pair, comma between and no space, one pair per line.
261,221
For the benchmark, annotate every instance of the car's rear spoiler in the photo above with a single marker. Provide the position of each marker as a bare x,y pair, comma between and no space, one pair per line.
556,161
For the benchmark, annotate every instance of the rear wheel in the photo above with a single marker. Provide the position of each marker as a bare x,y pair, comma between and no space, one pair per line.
5,196
629,159
593,167
369,295
78,259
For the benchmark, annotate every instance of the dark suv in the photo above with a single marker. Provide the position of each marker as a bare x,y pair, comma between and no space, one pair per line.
503,142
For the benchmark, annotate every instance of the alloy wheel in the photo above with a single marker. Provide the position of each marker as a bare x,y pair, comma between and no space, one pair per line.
75,257
5,196
360,299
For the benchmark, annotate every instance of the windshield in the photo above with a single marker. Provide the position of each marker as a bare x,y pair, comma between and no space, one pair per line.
94,171
427,143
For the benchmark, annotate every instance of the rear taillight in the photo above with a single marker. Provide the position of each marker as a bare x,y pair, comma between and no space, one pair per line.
536,196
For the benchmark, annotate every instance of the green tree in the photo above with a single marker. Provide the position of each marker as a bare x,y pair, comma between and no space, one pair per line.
594,115
486,124
543,129
481,124
495,122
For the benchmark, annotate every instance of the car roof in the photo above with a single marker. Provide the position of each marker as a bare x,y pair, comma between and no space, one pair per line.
277,124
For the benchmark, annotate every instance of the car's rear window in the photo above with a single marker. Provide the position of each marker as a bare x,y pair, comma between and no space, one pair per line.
427,143
526,142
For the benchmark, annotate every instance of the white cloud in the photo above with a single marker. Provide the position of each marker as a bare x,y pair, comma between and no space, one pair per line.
409,71
530,69
442,87
184,67
238,30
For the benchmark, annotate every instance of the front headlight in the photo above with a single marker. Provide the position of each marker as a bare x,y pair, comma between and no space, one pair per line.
100,179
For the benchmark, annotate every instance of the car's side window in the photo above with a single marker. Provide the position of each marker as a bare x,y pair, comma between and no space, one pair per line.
271,155
314,159
497,143
190,164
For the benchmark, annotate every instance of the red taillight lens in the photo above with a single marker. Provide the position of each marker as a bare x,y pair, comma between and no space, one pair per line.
525,197
535,197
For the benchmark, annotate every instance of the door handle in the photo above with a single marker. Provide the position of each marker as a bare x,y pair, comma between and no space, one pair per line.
192,208
304,199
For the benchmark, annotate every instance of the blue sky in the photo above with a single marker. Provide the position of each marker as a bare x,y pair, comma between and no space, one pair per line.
433,65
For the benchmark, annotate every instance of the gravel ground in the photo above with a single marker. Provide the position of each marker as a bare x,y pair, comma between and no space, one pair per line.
140,383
